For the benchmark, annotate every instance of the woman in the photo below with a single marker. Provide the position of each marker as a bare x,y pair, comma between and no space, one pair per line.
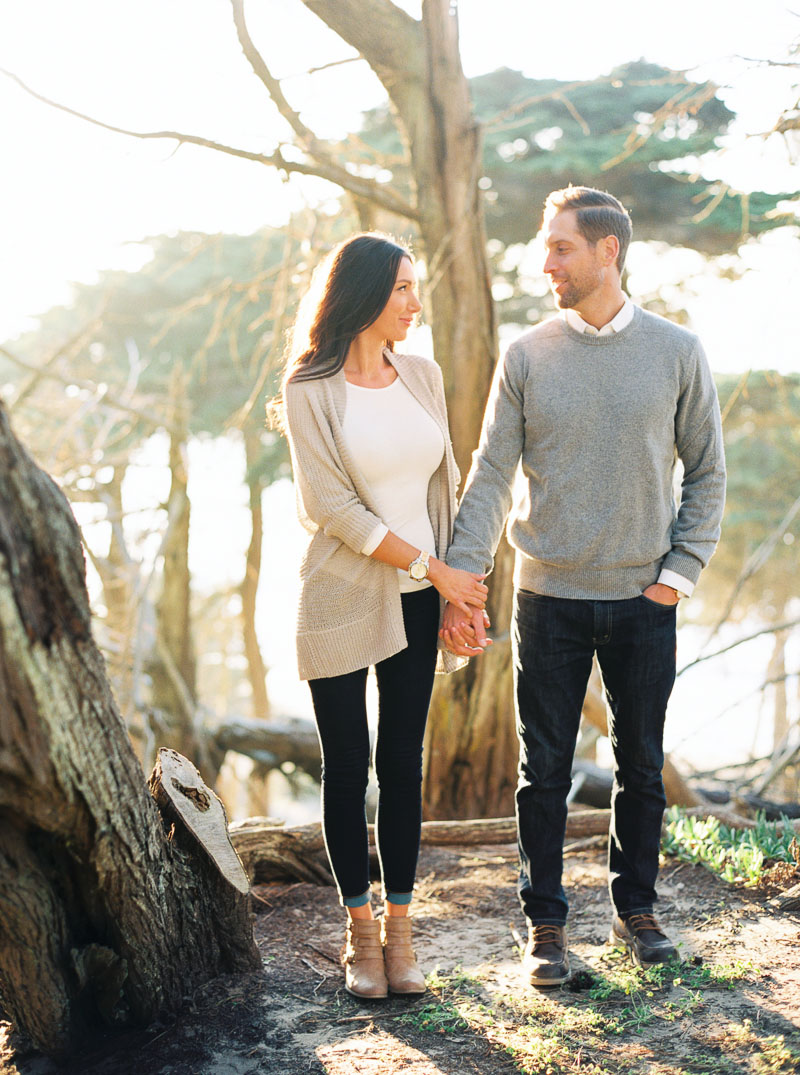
376,482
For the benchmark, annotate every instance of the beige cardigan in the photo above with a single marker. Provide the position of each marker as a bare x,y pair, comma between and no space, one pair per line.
349,614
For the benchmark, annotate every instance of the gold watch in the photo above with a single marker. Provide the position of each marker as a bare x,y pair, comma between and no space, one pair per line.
418,568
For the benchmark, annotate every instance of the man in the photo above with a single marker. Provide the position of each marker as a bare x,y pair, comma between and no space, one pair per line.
595,404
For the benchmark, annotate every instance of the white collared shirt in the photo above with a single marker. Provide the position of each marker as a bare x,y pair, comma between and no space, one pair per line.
616,324
677,582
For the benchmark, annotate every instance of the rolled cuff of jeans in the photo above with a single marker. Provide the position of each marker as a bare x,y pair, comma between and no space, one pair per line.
401,898
356,901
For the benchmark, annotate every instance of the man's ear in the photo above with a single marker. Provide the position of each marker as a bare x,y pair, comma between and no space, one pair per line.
609,247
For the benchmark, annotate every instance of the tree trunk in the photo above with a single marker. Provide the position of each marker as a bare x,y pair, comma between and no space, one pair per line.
471,752
173,664
256,670
776,675
119,575
103,917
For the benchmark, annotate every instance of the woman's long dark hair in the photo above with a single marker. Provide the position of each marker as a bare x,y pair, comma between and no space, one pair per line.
348,294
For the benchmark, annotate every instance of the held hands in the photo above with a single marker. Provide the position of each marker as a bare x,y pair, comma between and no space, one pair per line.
465,635
463,589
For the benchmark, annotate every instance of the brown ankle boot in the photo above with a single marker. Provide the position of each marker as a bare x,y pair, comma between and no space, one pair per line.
364,974
401,965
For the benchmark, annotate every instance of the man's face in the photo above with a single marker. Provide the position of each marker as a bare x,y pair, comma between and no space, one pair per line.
574,265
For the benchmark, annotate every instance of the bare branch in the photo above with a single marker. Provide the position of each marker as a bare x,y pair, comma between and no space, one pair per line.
333,63
107,399
506,120
378,193
772,629
178,136
726,410
308,140
679,104
756,560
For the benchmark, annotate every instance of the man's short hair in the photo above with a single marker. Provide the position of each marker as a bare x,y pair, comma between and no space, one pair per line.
597,214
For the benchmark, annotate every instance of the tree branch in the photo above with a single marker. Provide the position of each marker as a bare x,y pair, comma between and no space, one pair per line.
308,140
773,629
389,39
378,193
107,399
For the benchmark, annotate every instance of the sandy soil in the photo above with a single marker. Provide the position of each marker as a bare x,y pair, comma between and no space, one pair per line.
733,1005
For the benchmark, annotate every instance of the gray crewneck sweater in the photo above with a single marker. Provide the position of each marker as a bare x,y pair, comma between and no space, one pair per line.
596,424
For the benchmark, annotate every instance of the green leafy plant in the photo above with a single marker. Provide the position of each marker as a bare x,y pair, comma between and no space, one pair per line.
736,855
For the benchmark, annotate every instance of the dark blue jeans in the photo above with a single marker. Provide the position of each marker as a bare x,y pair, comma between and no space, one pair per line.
553,641
405,682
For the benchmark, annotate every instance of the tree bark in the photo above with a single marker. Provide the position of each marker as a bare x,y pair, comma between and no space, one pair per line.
256,670
776,674
118,574
173,662
103,917
471,751
284,739
271,852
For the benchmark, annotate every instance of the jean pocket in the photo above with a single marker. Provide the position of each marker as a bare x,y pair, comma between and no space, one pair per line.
658,604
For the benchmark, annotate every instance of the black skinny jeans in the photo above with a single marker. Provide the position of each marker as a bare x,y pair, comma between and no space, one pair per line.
405,682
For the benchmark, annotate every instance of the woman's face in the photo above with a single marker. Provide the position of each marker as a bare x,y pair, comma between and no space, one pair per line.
398,315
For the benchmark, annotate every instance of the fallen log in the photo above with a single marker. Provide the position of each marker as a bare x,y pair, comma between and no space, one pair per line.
271,852
786,901
272,743
737,821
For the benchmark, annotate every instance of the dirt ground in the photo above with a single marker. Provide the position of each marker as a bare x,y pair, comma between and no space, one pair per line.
732,1006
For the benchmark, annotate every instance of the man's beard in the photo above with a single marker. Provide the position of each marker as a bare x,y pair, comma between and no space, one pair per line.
576,291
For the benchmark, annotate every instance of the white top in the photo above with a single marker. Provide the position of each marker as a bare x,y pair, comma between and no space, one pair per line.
683,585
616,324
397,447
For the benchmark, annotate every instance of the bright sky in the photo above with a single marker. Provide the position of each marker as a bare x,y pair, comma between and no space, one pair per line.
74,198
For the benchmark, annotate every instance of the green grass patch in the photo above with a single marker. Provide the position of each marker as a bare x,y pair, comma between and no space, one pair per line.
735,855
583,1033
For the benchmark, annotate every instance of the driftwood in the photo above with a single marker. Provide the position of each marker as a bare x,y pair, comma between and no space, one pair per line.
737,821
786,901
270,852
273,742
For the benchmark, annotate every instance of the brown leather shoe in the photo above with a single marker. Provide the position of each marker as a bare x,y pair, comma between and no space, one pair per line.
401,965
644,939
546,958
364,973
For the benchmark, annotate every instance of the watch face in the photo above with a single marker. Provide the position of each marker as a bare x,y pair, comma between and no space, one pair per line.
418,572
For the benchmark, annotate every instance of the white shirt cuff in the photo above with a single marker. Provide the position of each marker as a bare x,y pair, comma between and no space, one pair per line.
375,538
676,581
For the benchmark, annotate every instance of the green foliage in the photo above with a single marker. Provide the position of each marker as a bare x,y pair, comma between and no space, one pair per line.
626,979
590,1030
770,1055
212,309
631,132
639,131
736,855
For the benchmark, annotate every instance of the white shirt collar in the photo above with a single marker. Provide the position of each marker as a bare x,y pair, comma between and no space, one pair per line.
616,324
